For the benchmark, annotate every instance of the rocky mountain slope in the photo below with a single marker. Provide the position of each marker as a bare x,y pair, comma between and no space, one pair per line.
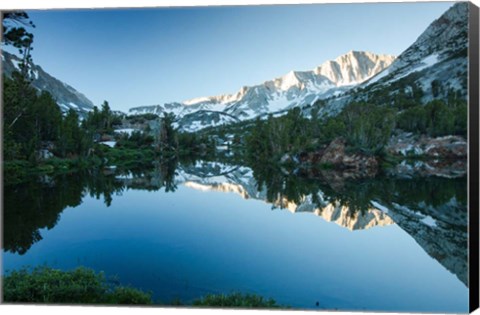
439,51
65,95
296,88
433,67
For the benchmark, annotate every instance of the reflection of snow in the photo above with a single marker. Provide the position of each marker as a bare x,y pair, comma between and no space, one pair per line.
125,176
215,167
428,220
379,206
425,219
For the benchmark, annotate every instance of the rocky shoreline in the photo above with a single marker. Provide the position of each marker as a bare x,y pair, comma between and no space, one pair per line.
415,156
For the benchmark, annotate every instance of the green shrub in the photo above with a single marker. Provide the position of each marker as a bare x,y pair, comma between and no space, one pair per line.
236,300
127,295
79,286
85,286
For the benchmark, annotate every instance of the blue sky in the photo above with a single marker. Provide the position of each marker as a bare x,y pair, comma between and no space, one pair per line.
134,57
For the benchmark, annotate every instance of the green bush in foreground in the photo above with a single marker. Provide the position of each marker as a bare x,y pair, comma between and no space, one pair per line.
85,286
236,300
79,286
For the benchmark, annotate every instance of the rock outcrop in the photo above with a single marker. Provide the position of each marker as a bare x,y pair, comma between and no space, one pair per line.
335,156
447,147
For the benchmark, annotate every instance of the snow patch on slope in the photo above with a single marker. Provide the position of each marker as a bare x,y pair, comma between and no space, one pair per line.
296,88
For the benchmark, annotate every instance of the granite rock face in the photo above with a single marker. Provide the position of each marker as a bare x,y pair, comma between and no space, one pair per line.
294,89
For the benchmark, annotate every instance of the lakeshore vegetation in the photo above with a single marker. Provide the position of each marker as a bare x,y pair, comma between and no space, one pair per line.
38,138
85,286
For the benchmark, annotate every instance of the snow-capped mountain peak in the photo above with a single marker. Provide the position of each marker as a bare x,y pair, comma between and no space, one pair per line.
354,67
296,88
288,81
196,100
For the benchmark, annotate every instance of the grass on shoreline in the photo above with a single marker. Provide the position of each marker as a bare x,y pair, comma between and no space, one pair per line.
85,286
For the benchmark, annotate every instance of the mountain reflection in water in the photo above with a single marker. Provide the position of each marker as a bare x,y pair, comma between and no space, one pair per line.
432,210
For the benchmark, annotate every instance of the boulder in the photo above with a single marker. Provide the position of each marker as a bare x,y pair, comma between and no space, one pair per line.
360,162
334,154
449,147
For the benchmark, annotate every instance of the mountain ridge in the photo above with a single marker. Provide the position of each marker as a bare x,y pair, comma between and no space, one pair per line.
65,95
334,70
284,92
438,54
434,66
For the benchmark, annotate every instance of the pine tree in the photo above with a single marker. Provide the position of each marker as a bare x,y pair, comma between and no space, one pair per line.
166,140
70,142
15,34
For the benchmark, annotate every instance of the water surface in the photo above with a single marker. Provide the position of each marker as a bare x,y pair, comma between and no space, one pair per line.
383,244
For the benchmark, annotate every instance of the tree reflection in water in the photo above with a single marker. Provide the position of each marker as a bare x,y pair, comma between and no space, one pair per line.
432,210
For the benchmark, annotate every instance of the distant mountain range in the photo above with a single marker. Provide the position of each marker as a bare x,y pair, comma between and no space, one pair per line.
435,64
296,88
66,96
437,57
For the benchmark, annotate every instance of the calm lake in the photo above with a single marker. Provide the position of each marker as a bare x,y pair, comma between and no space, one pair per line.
183,231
